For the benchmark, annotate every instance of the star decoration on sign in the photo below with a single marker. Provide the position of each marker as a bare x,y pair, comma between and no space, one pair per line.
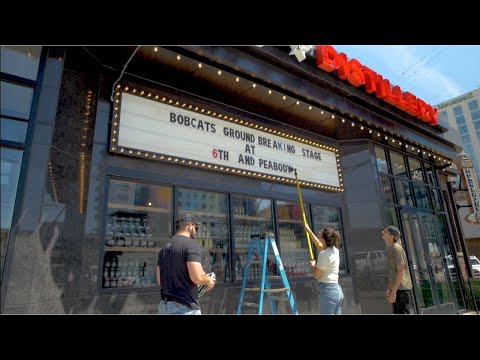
299,51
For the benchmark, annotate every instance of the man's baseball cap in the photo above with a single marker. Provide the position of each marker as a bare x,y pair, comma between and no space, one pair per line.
187,218
393,230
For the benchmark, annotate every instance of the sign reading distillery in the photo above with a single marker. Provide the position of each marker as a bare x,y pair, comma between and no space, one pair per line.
153,129
357,74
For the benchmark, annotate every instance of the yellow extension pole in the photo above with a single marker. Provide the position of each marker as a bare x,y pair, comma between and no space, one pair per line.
304,217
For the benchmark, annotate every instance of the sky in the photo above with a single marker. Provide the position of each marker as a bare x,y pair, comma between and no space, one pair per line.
433,73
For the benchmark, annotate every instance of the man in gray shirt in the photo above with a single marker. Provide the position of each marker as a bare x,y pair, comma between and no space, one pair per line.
399,282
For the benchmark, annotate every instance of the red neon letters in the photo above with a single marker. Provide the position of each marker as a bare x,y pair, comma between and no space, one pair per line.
357,74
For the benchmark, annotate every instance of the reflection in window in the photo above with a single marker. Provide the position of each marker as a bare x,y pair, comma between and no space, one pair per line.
10,169
392,217
436,200
20,61
16,100
381,160
250,216
138,224
13,130
416,172
398,164
403,192
387,190
210,209
292,238
430,174
421,196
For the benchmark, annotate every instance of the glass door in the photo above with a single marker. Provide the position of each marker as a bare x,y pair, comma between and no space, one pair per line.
427,250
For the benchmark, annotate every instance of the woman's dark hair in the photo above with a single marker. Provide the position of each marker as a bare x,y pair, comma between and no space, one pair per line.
331,237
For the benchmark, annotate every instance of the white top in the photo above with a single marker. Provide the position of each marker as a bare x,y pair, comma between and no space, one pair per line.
328,260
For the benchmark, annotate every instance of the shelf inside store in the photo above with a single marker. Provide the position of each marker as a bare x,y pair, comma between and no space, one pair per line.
252,218
132,248
205,214
138,208
289,221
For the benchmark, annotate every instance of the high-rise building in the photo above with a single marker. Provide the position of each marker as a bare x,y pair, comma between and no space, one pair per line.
463,114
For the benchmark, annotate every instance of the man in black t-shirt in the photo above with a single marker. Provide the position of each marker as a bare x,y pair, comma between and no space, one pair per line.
179,270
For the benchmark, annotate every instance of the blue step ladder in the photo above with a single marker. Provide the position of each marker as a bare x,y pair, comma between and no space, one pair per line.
261,243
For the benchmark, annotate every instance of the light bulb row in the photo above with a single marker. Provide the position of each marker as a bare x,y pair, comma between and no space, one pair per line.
204,111
393,140
310,107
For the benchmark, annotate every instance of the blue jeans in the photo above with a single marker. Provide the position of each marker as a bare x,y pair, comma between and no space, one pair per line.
172,307
331,298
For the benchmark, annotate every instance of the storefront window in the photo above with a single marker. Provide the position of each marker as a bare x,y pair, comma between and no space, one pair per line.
387,190
16,100
403,192
293,240
20,61
436,199
250,216
13,130
416,172
392,217
381,157
329,216
11,160
139,222
210,209
430,174
398,164
421,196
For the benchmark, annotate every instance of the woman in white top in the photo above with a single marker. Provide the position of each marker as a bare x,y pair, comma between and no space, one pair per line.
325,270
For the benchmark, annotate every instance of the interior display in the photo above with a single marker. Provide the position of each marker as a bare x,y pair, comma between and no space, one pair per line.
250,216
293,240
139,222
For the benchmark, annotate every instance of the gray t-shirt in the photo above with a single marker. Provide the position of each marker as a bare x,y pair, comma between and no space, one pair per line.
396,256
174,278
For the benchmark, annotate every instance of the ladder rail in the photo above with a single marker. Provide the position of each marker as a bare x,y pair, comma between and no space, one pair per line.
245,276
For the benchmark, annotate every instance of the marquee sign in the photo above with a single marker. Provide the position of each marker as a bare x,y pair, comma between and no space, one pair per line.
158,128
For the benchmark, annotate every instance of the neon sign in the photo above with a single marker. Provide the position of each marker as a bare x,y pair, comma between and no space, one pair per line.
357,74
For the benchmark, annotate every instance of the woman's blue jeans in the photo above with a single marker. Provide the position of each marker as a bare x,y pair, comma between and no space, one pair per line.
331,298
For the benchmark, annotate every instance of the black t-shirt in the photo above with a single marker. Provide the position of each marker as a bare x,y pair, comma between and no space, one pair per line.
174,277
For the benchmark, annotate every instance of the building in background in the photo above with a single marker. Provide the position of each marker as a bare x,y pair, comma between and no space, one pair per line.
463,117
463,114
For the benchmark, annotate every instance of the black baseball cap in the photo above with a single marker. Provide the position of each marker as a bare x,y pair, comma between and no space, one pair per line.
187,218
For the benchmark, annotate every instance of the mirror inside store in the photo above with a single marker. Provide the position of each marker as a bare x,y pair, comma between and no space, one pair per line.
140,219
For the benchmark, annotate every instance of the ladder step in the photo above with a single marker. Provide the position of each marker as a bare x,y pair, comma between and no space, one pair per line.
275,290
252,289
250,304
